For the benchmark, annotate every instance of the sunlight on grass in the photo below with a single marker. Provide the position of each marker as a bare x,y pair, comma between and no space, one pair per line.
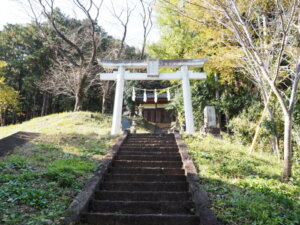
243,188
39,180
82,122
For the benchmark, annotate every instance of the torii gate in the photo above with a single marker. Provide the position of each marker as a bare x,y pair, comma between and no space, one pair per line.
153,66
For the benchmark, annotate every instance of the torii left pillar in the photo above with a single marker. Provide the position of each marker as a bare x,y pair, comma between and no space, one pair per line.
118,105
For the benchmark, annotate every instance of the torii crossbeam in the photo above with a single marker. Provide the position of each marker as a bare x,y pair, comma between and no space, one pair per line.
153,66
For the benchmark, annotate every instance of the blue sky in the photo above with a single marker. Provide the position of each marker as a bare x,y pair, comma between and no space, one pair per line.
15,11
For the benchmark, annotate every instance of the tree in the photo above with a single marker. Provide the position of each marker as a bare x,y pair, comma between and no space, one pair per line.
27,58
9,100
146,16
123,18
80,42
268,36
181,38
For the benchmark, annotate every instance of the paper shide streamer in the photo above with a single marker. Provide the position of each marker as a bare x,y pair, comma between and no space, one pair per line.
145,95
133,94
168,94
155,96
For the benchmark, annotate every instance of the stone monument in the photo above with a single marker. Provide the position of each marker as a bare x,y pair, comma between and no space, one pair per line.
210,121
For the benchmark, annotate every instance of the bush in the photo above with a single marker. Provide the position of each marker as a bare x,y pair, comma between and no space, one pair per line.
242,129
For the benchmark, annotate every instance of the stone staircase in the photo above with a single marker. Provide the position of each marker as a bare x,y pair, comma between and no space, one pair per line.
146,185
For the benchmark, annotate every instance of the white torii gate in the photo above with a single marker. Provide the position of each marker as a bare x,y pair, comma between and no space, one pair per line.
153,66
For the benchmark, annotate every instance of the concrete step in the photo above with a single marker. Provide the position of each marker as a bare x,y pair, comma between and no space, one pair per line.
149,149
144,186
142,196
153,145
142,219
120,170
162,135
153,138
141,164
144,153
150,141
151,177
142,207
149,157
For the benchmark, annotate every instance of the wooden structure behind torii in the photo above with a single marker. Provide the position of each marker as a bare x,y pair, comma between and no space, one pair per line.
153,66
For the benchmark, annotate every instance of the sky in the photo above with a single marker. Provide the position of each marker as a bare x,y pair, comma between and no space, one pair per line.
17,12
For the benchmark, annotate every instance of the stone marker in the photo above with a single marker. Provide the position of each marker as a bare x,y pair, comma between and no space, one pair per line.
210,120
125,124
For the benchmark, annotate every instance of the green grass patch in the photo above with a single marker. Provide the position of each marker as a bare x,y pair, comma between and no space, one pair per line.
65,171
39,180
243,188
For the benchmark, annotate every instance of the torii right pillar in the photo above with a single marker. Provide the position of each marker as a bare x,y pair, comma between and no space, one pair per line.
187,99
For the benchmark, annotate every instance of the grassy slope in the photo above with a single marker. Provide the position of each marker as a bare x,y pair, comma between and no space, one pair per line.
39,180
245,189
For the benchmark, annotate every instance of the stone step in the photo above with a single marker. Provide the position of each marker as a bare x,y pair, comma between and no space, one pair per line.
120,170
140,219
144,186
151,177
152,138
147,146
142,207
144,153
142,196
151,135
149,157
149,149
155,141
141,164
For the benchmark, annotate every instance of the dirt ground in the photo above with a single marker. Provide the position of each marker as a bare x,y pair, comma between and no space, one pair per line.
18,139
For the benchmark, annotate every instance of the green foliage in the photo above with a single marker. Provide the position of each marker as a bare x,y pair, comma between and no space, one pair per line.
64,171
244,189
9,98
2,64
39,180
243,129
27,58
176,107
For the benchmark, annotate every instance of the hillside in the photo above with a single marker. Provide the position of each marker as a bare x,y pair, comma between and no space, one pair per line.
39,180
243,188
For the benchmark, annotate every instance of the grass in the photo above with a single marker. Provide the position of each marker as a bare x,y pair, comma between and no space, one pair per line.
39,180
245,189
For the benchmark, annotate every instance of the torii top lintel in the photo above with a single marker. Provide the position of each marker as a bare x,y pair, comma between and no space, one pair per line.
162,63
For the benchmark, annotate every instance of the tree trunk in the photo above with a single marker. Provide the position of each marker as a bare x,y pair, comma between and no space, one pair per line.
1,119
103,110
33,107
50,104
227,121
287,147
78,102
254,140
218,99
44,107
